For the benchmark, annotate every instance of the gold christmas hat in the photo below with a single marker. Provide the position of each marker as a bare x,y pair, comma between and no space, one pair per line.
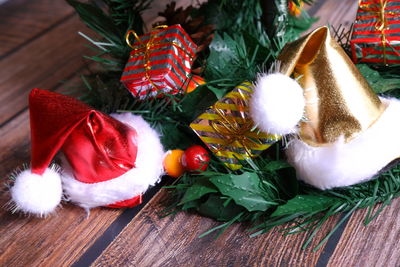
346,133
339,101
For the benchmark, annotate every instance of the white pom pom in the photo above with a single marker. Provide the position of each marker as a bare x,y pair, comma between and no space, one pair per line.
277,104
37,194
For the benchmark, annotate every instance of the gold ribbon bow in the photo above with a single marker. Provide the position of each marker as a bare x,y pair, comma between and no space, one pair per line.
233,130
146,49
379,11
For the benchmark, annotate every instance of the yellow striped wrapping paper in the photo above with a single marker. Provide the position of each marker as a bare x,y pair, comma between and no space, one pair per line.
228,131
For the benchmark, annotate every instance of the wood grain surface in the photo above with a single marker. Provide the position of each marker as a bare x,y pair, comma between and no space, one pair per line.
44,63
40,48
22,21
55,241
377,244
149,240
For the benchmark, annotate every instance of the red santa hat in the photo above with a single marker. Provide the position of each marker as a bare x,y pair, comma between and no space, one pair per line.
106,160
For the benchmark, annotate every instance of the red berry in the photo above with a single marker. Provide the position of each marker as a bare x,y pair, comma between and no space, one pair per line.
195,158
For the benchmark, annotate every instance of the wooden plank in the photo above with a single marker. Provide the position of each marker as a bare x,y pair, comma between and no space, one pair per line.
23,20
15,143
374,245
55,241
149,240
43,63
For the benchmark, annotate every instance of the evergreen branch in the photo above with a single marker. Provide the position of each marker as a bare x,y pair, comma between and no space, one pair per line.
98,21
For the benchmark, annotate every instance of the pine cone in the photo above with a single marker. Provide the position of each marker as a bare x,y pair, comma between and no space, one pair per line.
201,34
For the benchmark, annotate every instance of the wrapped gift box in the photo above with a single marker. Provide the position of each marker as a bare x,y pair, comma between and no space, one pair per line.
159,63
376,35
228,131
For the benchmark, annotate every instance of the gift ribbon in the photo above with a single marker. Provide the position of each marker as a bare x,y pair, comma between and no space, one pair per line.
232,130
146,48
379,11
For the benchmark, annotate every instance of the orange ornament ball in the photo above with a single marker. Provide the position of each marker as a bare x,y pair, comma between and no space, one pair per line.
172,163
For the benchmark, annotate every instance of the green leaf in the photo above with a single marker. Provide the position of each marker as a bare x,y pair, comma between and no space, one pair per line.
303,204
245,190
378,83
223,53
199,189
191,204
277,165
214,208
217,92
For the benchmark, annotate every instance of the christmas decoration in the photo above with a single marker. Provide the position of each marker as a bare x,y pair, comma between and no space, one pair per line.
172,163
160,62
266,104
344,121
195,158
228,131
375,37
295,10
248,37
107,161
192,83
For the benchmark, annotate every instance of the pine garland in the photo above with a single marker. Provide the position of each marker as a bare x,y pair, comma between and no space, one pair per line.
265,192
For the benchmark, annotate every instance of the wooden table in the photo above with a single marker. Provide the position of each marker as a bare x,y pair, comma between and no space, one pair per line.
40,47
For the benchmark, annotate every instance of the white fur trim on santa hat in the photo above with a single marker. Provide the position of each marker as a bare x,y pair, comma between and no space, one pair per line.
277,104
36,194
344,164
147,171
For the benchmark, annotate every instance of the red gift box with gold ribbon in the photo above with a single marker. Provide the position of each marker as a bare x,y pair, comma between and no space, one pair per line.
160,62
376,34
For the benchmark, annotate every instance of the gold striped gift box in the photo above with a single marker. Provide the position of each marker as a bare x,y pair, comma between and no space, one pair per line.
228,131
